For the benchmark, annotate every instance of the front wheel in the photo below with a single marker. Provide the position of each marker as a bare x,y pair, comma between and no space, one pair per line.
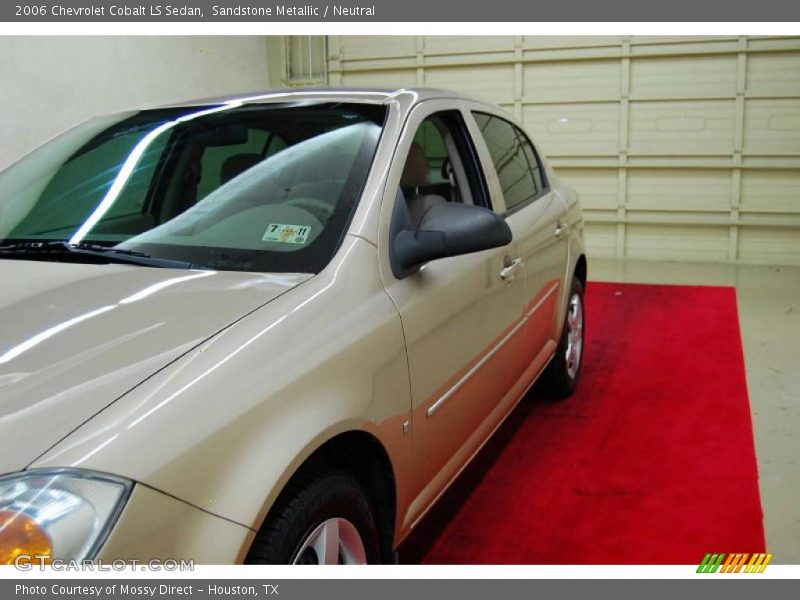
324,519
561,376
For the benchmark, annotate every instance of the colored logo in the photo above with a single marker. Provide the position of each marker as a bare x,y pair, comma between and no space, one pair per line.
734,563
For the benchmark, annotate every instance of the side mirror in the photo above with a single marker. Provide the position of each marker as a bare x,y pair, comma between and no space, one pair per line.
447,229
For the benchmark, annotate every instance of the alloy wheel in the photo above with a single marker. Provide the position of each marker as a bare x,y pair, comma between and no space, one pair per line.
574,335
334,542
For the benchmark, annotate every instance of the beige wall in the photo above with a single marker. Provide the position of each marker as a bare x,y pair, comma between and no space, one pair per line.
681,147
51,83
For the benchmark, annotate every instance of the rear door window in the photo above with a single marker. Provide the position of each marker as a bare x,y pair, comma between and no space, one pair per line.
515,161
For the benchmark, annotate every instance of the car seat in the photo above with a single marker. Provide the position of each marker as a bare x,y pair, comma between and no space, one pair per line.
414,180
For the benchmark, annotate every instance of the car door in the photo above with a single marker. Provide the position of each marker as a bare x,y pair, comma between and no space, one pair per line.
537,217
462,316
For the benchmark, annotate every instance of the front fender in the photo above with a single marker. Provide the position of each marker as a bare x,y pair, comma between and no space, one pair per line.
225,427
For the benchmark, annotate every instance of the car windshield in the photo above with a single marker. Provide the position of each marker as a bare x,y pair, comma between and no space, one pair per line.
244,187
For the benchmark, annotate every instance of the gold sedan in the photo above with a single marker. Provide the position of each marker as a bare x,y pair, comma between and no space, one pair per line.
273,328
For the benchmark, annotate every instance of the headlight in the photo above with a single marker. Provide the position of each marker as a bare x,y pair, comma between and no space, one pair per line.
62,513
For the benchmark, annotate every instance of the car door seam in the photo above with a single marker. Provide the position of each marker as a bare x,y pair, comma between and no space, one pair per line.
405,349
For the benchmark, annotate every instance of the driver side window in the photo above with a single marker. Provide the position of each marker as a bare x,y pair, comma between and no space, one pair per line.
441,167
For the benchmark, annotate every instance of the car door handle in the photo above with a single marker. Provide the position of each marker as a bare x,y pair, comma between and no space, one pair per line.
561,228
510,269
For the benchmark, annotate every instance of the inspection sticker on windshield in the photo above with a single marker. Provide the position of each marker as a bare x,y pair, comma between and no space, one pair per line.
286,234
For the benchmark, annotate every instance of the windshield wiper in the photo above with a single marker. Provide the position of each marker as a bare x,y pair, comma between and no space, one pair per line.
112,255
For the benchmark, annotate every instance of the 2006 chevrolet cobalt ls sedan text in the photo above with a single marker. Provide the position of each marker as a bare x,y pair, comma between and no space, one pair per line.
272,328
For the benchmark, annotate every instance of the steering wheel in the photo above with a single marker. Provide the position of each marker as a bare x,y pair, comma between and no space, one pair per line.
319,208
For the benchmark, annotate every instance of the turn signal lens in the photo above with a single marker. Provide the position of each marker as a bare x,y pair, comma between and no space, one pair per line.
19,534
62,514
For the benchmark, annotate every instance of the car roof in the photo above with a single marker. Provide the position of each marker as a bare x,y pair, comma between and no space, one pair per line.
365,95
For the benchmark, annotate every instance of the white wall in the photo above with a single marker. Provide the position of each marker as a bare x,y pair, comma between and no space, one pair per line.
49,84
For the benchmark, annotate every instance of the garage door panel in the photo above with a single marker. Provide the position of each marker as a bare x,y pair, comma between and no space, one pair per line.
772,43
577,80
598,188
767,74
601,239
380,79
679,189
365,46
683,76
493,83
772,126
570,41
462,44
677,241
575,128
771,190
682,45
762,244
379,65
692,127
454,61
681,147
668,217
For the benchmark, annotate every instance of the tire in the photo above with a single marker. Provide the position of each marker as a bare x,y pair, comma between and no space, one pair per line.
561,376
327,504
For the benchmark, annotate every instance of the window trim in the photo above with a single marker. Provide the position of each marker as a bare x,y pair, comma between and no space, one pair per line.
454,120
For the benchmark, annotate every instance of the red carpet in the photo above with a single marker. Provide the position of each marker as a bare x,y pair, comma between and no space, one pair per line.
651,462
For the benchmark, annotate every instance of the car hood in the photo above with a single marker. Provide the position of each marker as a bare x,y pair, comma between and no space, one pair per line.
74,337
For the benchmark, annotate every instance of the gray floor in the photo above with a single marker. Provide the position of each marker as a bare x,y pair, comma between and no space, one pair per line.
769,315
